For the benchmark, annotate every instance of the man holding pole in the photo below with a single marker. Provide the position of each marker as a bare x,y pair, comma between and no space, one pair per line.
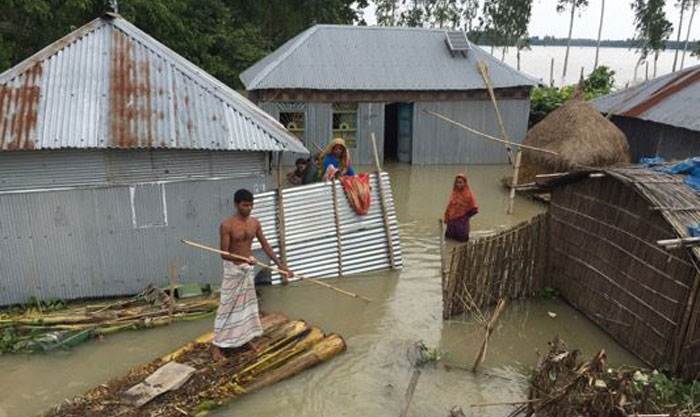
237,318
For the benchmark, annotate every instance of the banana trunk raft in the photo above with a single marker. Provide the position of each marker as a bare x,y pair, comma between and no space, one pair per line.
286,348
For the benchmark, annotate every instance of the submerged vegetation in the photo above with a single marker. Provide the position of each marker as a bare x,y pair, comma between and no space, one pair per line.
545,100
562,385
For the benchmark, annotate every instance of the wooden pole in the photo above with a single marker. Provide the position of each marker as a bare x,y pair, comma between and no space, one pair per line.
385,211
483,69
487,136
282,236
443,271
410,391
272,268
516,169
172,278
551,74
489,329
336,214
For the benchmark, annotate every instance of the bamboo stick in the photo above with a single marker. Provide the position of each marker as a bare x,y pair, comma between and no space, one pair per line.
281,234
410,391
483,69
516,170
503,403
487,136
336,216
272,268
489,329
385,212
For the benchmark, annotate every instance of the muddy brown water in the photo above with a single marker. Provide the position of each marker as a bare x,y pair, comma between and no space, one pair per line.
371,377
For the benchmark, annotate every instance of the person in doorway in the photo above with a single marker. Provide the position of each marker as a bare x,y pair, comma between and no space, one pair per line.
237,318
296,177
336,160
460,209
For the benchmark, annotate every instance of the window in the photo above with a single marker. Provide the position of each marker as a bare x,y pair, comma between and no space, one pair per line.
295,122
345,123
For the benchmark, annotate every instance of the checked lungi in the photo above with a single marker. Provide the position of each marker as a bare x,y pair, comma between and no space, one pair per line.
237,319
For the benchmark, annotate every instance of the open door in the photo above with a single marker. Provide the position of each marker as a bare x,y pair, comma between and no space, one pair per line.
398,132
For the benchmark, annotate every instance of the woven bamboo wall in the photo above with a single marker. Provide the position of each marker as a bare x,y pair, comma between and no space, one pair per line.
604,259
510,264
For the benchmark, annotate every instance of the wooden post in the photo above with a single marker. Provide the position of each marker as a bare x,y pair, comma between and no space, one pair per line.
685,330
409,392
489,329
172,278
483,69
336,212
581,77
385,211
441,226
551,74
281,235
516,169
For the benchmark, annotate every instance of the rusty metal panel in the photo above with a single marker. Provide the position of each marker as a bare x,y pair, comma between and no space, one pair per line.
110,85
314,246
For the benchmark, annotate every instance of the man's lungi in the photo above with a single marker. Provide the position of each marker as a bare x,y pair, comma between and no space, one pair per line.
237,318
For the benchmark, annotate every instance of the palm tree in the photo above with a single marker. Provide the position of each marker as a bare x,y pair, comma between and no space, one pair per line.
600,31
683,5
690,26
561,6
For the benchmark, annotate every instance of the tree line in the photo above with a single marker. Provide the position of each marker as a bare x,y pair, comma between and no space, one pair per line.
226,36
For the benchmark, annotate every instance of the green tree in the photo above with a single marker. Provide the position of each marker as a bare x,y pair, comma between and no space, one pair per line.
445,13
470,9
415,13
561,7
386,12
694,8
652,28
506,22
683,5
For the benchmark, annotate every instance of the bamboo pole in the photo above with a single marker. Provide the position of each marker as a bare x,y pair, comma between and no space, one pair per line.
483,69
489,329
551,74
516,170
336,215
487,136
385,212
272,268
443,271
172,278
282,236
409,392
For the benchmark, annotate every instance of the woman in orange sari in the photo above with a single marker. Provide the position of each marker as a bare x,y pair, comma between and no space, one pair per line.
460,209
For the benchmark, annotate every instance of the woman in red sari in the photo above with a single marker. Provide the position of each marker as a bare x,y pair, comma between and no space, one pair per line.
461,207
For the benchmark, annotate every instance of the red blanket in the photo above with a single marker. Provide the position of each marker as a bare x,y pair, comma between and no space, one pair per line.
357,190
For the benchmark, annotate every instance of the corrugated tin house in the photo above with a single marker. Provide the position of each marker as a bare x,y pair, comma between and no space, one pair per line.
349,81
112,148
604,258
659,116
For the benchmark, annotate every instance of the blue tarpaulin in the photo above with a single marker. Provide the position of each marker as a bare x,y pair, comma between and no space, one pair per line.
649,161
694,230
690,168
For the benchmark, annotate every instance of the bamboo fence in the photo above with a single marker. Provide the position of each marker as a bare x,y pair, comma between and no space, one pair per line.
510,264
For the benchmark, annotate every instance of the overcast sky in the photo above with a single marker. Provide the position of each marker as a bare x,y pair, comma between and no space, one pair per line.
619,20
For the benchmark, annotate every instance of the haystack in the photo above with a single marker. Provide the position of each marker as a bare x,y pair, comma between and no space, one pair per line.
581,137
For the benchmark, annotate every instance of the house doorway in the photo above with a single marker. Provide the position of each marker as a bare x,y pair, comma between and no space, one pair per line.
398,132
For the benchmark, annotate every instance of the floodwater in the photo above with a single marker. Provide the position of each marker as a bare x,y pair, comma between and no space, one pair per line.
371,377
538,60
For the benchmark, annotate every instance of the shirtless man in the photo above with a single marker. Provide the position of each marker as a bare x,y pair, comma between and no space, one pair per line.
237,318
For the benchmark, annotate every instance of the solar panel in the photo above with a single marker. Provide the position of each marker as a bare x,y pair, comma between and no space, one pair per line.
457,42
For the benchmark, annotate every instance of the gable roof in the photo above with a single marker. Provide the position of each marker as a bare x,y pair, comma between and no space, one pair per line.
672,99
339,57
110,85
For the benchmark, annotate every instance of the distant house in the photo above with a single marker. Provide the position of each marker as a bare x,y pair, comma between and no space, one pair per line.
352,81
660,117
112,149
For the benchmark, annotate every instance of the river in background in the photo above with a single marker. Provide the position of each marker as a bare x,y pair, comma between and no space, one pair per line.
371,377
537,62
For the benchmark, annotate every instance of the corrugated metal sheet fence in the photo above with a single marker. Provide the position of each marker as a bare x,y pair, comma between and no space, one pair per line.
315,248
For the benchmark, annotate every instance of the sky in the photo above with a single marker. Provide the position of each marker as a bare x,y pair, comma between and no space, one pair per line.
618,24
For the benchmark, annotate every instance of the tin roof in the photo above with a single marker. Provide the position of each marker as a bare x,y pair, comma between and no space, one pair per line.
338,57
110,85
671,99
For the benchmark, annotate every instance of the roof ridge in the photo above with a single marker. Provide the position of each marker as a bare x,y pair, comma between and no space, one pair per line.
52,49
378,27
265,71
196,74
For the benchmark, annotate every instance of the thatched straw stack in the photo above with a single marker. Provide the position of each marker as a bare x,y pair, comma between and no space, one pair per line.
580,135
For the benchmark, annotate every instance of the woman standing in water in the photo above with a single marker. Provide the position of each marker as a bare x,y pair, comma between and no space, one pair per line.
337,158
460,209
